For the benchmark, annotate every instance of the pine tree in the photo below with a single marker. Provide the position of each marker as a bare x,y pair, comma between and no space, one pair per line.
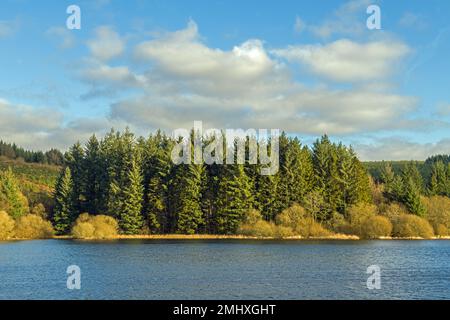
187,185
157,174
131,219
234,197
412,198
438,181
75,161
11,198
95,171
63,212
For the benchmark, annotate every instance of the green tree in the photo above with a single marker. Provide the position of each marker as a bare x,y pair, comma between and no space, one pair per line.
412,198
11,198
186,192
63,212
233,198
131,219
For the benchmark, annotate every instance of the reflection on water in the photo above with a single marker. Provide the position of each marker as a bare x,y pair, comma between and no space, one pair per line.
225,269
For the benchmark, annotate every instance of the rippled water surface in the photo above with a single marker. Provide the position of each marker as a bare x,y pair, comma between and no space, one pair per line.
233,269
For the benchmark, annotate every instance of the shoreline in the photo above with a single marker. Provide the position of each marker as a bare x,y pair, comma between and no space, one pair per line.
335,237
242,237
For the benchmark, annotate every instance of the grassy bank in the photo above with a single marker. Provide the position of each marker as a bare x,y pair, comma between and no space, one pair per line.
241,237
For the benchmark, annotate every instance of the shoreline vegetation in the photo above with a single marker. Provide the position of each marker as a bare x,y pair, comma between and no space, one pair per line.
343,237
128,187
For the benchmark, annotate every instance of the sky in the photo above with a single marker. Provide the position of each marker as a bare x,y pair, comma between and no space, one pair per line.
306,67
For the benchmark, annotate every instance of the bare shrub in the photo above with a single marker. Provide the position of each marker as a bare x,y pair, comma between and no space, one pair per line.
6,226
33,227
408,226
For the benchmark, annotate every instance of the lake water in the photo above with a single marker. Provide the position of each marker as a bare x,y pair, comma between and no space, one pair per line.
223,269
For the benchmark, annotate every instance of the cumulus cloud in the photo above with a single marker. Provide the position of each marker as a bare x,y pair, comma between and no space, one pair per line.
44,128
348,19
394,148
106,44
248,87
346,60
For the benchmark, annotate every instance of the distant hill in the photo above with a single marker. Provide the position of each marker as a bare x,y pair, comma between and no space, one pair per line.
37,181
374,167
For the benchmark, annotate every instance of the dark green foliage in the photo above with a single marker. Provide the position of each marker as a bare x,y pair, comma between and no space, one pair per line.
186,194
130,211
234,198
12,151
64,213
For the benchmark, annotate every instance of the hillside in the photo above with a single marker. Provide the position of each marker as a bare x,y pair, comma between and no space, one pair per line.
36,181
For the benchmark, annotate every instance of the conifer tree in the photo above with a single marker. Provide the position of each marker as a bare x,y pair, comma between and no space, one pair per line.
63,212
131,219
11,198
412,198
157,174
75,161
94,169
234,197
186,192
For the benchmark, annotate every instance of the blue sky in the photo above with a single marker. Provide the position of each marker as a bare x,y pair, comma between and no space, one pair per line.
306,67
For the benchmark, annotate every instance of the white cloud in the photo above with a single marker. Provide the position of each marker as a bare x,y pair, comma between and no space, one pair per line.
443,109
247,87
107,44
346,60
395,148
44,128
348,19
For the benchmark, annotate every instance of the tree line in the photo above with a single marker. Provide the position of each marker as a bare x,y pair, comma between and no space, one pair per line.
12,151
134,180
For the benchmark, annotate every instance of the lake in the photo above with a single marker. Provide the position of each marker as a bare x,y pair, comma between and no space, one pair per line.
225,269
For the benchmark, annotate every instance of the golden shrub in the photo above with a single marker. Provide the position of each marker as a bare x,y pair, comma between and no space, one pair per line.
358,214
252,216
33,227
375,227
337,223
442,231
6,226
95,227
83,230
410,225
283,232
393,211
438,213
302,223
291,217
